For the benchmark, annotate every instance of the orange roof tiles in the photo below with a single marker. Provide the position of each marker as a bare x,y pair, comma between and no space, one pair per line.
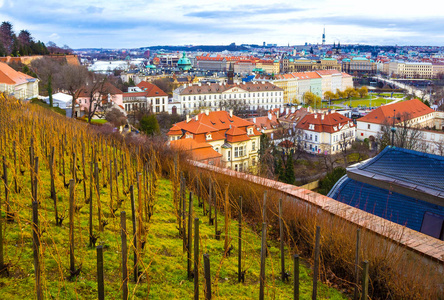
10,76
151,89
199,151
413,108
324,122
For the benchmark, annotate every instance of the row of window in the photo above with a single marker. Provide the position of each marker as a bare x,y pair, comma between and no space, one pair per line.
253,95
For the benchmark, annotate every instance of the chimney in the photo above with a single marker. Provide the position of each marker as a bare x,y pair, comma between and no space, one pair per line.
197,117
287,110
207,112
185,85
231,113
188,118
315,115
254,120
322,117
270,116
292,109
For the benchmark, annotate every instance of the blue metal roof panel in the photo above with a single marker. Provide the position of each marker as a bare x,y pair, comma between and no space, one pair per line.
414,167
404,210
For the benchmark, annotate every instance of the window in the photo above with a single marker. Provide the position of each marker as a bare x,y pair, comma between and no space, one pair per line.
217,149
235,167
368,126
209,136
229,155
253,146
253,162
241,151
236,152
316,138
240,167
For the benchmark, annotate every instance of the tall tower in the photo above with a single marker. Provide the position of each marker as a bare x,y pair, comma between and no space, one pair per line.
323,37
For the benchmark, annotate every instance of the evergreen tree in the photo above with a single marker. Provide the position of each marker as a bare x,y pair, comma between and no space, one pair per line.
149,125
279,171
289,170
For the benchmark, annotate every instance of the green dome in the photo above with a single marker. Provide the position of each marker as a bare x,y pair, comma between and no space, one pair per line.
184,63
151,67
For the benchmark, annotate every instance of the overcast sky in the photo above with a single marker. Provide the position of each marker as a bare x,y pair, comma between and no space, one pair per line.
135,23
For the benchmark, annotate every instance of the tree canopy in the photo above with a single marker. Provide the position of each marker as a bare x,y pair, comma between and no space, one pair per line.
19,45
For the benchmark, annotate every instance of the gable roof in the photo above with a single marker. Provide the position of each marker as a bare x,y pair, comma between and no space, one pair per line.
10,76
199,151
151,90
413,108
331,122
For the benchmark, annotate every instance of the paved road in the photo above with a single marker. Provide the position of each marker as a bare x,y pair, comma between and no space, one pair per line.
411,90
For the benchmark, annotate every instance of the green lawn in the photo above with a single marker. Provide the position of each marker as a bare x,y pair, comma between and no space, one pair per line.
43,104
362,102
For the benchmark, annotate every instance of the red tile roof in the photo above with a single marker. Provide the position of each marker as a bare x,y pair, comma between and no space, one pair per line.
332,122
151,89
413,108
10,76
199,151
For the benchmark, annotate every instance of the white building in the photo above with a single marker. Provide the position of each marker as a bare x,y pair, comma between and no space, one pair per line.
146,96
419,116
252,95
326,133
17,84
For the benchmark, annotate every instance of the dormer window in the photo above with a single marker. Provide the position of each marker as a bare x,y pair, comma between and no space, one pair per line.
311,127
209,136
250,131
335,128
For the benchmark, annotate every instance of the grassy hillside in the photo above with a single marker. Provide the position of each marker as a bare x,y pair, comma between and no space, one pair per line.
28,131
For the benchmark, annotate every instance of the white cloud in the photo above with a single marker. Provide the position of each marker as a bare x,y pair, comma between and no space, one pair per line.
54,37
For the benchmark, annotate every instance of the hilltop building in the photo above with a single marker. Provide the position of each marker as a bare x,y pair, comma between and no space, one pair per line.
17,84
218,138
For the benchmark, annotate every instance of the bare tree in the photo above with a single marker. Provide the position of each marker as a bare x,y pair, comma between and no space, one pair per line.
406,134
47,71
72,80
99,91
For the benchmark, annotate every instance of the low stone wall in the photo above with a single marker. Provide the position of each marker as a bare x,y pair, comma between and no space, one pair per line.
311,185
428,250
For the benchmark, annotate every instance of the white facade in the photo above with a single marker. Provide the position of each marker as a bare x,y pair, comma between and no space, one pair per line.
213,96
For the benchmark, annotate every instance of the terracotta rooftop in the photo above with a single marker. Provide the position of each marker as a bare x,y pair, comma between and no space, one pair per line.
10,76
332,122
412,108
151,90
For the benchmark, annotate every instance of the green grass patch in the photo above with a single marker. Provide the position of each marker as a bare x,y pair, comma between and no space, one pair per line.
163,260
45,105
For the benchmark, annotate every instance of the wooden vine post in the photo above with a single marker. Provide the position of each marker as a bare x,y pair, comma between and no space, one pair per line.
190,234
240,276
72,268
316,263
196,258
207,275
227,220
36,250
263,251
100,275
133,218
124,255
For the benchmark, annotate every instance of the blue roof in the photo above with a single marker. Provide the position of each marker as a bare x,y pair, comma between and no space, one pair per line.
248,78
398,208
371,186
411,166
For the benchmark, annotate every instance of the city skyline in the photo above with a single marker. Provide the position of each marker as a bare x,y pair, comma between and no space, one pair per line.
118,24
